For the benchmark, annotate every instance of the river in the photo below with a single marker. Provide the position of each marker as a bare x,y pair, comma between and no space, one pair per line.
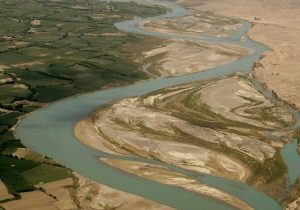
49,131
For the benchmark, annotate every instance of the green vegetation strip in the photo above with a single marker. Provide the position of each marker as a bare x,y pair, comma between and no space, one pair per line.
54,50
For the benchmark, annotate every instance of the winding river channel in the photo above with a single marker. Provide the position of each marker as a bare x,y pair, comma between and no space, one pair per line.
49,131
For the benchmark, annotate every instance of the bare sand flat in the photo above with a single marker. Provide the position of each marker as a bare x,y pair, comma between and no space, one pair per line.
276,24
177,58
163,175
23,65
2,68
194,24
150,126
91,196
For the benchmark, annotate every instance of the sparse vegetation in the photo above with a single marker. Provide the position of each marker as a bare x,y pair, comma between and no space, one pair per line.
186,103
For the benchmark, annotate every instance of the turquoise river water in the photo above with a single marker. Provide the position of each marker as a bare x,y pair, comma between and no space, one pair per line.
49,131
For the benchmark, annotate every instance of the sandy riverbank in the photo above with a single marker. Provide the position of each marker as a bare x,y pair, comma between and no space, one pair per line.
95,196
283,56
276,24
222,133
163,175
193,24
174,58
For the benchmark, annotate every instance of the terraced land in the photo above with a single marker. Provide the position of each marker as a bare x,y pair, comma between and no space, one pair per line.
50,50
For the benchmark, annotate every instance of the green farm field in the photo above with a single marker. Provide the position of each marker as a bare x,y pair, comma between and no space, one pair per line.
50,50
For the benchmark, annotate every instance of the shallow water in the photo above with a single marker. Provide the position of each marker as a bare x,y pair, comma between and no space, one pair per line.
50,132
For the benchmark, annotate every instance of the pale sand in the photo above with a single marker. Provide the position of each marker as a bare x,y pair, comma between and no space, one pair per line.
103,132
194,24
227,98
163,175
2,68
86,132
4,193
184,155
94,196
119,126
21,86
8,79
23,65
36,22
20,152
295,205
277,24
179,57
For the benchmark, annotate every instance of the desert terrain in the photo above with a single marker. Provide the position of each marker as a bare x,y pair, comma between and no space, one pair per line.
275,24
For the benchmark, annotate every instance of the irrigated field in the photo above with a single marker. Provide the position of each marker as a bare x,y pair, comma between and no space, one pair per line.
54,49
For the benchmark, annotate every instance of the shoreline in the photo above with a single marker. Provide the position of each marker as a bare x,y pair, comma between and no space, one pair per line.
163,175
75,96
88,140
265,24
100,146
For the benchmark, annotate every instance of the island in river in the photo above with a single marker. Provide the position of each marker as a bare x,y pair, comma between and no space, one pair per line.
227,126
174,126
